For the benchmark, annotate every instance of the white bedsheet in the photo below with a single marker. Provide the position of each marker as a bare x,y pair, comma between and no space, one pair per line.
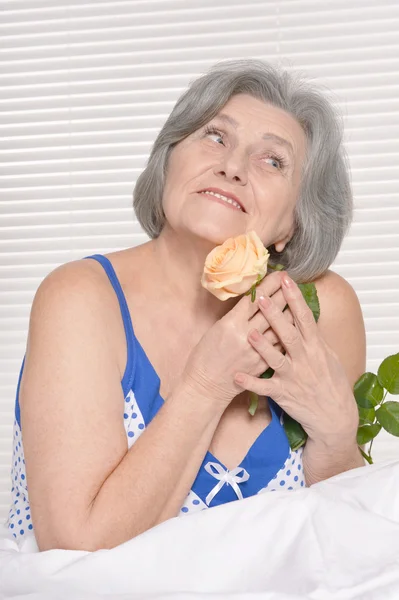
337,539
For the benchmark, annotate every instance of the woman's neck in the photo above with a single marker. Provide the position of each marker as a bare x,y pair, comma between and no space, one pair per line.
177,265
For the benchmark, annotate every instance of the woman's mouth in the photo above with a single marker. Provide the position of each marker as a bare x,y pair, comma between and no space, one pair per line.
223,200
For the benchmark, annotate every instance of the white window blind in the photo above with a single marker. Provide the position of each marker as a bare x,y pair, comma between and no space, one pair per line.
86,86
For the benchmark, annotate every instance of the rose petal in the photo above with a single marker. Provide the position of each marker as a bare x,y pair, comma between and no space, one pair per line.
232,268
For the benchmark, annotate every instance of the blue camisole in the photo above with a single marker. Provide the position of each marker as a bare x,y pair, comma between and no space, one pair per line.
269,464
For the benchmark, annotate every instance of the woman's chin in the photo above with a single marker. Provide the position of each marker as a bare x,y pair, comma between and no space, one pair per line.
214,236
215,231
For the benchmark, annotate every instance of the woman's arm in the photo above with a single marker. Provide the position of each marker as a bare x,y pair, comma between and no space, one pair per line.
342,327
86,489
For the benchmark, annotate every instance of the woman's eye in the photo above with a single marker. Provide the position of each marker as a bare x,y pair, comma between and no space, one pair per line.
278,163
214,132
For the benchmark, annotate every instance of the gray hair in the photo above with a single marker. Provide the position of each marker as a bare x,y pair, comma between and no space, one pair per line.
324,208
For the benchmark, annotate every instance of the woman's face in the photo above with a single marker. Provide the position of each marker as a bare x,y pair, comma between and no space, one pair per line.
256,153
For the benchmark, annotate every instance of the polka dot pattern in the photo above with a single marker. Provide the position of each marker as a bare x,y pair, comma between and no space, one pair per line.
290,476
132,419
18,520
21,524
193,503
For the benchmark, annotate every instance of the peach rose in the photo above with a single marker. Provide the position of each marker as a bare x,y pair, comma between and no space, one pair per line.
232,268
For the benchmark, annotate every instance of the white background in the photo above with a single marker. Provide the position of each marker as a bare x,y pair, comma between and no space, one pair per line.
86,86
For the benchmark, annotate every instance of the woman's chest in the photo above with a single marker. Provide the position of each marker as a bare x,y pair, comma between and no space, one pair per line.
237,429
166,346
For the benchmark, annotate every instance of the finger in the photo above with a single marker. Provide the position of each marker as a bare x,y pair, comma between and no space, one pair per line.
279,347
275,359
288,335
271,335
259,320
262,365
303,317
278,299
262,387
272,338
268,286
288,315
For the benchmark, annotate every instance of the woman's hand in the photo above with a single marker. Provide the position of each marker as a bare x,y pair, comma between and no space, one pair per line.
309,382
224,349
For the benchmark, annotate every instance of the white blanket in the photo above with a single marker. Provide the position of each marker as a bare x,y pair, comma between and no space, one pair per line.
337,539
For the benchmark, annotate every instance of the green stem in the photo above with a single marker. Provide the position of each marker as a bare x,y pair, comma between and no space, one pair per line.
254,403
371,445
368,458
385,395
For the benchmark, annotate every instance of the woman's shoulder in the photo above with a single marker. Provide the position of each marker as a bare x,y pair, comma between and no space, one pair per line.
341,323
88,275
331,282
336,294
80,278
74,289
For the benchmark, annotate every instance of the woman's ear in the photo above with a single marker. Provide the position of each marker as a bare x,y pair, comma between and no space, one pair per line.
279,246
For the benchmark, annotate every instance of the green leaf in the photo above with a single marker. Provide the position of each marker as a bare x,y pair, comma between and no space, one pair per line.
278,267
366,433
366,415
267,374
368,391
296,435
388,373
309,292
388,416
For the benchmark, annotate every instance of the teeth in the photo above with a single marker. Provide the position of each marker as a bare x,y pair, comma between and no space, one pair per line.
228,200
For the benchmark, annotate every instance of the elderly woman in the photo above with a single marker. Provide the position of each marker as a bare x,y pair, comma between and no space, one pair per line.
134,390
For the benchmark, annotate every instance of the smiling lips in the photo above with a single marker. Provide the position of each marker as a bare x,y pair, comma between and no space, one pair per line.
226,199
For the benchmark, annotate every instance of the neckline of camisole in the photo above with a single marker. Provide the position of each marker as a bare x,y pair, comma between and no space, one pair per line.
267,431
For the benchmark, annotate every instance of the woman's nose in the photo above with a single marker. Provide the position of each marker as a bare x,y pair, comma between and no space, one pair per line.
233,167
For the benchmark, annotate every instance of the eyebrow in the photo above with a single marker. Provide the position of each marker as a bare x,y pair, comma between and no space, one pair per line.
265,136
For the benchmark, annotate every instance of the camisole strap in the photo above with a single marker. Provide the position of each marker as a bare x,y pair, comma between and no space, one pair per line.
127,321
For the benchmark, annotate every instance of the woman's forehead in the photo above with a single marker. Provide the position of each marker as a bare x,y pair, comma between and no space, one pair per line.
243,110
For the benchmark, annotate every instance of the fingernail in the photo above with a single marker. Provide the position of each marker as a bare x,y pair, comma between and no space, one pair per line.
254,335
264,301
287,281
